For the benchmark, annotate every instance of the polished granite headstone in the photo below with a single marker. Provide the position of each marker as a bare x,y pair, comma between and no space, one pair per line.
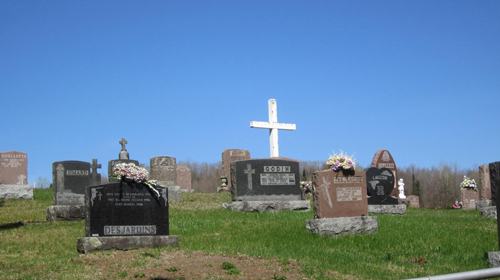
265,179
126,208
494,257
229,156
384,159
125,215
69,179
14,176
340,204
379,184
270,185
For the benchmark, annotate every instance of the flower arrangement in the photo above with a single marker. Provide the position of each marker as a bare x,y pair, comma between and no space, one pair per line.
306,185
131,172
341,161
468,184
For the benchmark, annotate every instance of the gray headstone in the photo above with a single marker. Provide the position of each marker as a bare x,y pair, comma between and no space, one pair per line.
69,179
123,153
95,178
164,170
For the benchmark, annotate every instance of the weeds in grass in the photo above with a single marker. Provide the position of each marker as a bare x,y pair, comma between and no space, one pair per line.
173,269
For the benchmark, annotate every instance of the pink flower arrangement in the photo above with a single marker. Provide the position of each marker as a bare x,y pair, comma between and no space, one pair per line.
341,161
131,172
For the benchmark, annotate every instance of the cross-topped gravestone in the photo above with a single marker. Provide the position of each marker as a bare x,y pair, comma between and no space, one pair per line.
123,157
95,178
123,153
273,127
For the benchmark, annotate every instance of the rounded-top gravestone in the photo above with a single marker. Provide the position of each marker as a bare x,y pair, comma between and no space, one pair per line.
384,159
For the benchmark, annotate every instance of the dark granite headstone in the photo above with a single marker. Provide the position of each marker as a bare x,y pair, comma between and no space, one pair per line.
69,179
164,170
265,180
379,184
495,190
383,159
13,168
229,156
125,209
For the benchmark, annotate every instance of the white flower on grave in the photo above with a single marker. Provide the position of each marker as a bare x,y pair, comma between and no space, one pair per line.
468,183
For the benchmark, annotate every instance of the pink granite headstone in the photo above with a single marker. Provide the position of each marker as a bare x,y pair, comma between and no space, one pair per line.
469,198
484,175
14,168
184,176
414,201
336,195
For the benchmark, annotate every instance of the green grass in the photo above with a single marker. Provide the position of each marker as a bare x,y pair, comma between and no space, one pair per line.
424,242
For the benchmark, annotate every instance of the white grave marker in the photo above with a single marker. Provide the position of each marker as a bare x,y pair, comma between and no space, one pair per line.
273,127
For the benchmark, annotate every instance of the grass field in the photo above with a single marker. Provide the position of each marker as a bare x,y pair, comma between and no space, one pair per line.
424,242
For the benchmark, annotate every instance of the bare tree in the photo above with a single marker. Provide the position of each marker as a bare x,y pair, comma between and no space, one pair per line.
42,183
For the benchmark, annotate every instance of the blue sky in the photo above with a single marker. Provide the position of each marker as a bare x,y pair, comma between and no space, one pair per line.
185,78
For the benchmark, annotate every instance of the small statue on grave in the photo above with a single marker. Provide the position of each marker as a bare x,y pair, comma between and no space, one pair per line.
401,188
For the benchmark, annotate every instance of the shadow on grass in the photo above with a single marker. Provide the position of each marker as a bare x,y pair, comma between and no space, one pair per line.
11,225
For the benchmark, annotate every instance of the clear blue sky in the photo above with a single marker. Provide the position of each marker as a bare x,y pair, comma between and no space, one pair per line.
185,78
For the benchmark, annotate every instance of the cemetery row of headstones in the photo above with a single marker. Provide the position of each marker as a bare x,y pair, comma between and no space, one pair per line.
70,178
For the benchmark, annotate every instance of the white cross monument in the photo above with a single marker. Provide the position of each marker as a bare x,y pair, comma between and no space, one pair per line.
273,127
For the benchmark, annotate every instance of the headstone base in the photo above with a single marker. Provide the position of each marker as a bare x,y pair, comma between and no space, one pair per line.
483,203
16,192
268,206
65,213
395,209
88,244
489,212
343,226
187,190
494,259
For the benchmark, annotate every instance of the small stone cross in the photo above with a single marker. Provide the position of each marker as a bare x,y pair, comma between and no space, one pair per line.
273,127
95,166
249,171
123,142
